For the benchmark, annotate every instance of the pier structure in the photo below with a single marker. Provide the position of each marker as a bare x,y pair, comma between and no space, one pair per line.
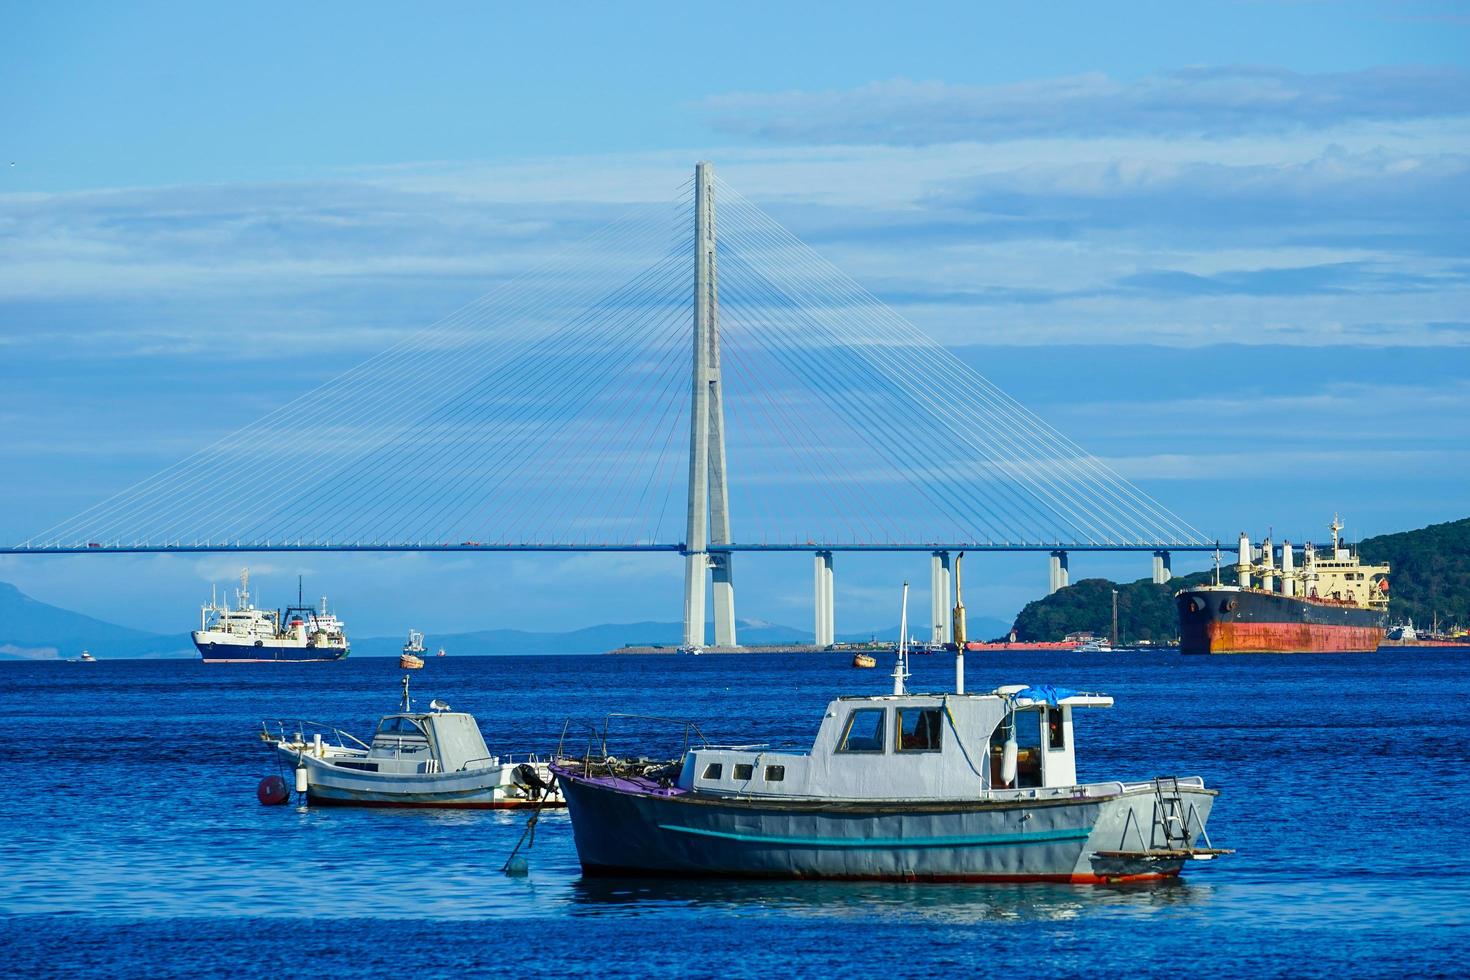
941,596
1058,576
551,413
824,595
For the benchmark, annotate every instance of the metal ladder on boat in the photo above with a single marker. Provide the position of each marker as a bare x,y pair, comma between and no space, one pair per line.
1170,820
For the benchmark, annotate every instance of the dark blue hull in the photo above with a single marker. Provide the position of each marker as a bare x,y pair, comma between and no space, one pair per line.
219,653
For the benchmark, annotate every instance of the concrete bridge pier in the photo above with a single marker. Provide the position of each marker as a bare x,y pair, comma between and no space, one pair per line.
826,620
941,596
1162,571
1058,571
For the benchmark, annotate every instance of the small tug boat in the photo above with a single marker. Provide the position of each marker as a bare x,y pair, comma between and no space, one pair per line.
907,787
412,657
436,758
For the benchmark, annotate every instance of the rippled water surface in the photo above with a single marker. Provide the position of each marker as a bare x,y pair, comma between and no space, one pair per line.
134,843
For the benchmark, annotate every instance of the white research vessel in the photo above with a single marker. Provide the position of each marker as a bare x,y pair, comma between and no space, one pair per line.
245,634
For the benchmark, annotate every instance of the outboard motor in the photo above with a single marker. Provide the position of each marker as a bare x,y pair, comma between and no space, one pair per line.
525,775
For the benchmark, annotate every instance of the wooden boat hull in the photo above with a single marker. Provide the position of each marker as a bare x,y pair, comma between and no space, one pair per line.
620,830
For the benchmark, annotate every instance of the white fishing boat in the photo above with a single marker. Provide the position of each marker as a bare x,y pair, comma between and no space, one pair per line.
949,786
434,758
246,634
85,658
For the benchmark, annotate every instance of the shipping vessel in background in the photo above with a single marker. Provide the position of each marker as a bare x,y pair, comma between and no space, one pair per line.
1332,603
245,634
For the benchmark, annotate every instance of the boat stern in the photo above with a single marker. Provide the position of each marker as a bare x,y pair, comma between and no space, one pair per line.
1149,832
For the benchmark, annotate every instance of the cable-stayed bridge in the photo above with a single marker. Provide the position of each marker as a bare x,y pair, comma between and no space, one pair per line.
683,379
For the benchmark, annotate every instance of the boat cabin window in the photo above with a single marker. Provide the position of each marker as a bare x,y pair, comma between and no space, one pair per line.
399,726
713,771
744,770
1056,735
774,774
919,729
864,731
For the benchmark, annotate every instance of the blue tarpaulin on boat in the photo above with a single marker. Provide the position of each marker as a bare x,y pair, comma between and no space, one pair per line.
1045,693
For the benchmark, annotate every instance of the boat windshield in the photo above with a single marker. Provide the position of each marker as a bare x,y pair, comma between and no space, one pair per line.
399,725
864,731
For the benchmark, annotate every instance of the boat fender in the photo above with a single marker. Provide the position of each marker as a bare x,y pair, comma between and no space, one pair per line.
301,779
526,775
1008,756
272,791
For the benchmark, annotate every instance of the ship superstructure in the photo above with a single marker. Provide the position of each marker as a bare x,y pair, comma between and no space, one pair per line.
245,634
1331,603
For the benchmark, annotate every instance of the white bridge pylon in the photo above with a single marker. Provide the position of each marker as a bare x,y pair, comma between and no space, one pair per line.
709,502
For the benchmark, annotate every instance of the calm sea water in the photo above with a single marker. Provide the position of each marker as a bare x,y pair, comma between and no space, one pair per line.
134,843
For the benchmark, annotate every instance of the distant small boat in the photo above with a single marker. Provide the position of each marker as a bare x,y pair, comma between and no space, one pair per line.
440,653
863,660
85,658
411,658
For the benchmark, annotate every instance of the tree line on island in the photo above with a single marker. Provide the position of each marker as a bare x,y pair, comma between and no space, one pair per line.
1430,577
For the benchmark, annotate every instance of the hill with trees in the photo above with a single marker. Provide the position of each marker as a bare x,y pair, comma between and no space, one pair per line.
1429,572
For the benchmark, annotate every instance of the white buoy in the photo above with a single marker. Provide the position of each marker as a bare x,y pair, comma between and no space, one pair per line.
316,744
301,779
1008,758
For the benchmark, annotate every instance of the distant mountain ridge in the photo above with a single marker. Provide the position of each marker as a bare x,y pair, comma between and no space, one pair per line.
34,630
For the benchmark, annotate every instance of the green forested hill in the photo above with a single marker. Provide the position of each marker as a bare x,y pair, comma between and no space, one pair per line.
1430,573
1145,610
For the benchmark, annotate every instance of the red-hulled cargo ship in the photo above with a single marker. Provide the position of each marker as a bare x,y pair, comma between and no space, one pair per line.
1331,604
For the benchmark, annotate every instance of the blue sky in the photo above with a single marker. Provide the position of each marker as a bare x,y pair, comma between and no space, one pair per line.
1224,246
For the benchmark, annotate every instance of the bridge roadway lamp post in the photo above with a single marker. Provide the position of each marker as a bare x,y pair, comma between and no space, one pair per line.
709,507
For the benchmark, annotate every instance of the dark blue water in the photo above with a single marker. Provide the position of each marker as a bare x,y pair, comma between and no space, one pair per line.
134,843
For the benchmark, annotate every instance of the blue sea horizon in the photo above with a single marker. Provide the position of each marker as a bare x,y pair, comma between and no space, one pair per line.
136,844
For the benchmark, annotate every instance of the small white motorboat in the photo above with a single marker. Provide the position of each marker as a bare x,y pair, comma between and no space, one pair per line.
436,758
85,658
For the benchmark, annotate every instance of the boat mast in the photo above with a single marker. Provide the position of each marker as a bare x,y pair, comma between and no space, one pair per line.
959,630
901,667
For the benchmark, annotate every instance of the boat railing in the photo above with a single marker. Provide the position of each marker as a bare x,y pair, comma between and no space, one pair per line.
306,729
595,754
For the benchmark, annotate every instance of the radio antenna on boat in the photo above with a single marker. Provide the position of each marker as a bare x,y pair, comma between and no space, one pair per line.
959,630
407,704
901,666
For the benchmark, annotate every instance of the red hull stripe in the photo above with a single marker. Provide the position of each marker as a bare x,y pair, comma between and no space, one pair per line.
600,871
1290,638
402,804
